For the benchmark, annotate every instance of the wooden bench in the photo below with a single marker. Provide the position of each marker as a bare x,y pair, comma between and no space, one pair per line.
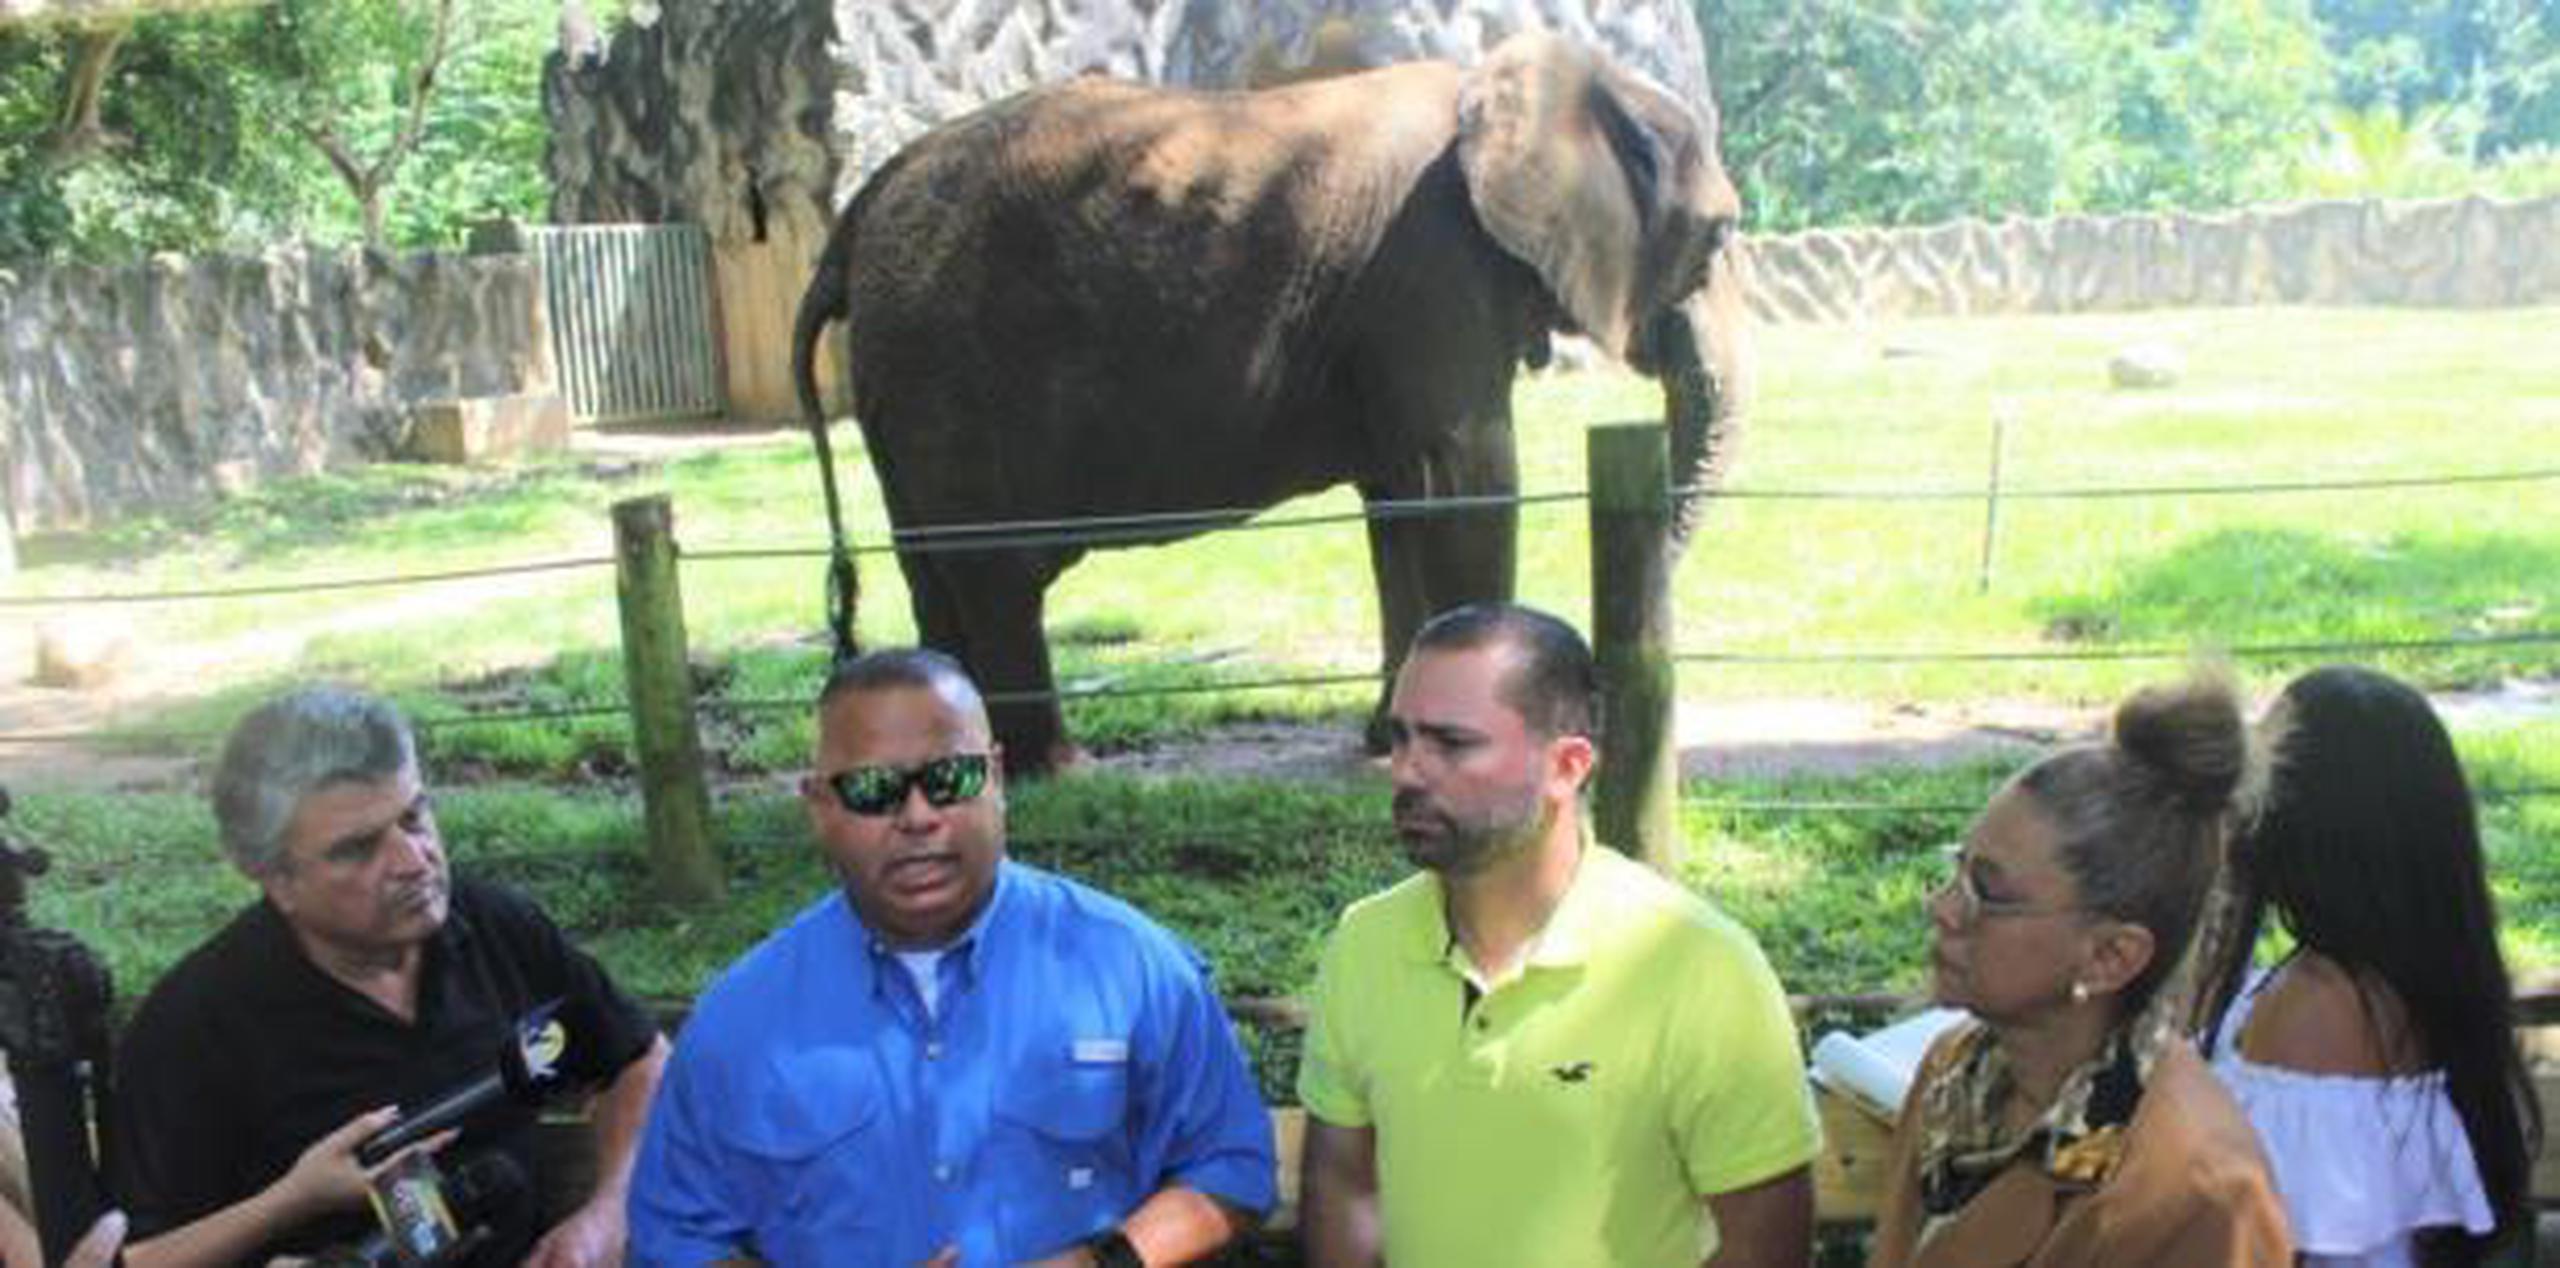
1848,1173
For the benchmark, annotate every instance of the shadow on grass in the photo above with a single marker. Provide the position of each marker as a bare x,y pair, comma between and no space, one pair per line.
2255,586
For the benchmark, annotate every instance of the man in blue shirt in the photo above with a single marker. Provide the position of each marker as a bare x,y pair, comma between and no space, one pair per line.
960,1060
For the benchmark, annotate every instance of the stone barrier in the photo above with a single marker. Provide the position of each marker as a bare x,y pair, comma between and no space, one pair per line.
172,380
2450,253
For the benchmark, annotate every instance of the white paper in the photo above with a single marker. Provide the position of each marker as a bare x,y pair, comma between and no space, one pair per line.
1878,1068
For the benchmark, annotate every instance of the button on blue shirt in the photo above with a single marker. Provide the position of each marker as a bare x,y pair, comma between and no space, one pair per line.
816,1113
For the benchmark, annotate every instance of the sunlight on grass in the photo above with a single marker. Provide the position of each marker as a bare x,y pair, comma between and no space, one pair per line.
1254,871
2269,395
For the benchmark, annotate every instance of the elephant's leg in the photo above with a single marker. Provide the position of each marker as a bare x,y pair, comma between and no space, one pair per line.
1001,598
937,611
1427,564
1396,562
1473,556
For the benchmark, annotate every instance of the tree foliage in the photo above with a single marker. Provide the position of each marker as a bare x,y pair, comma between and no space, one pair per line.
2495,62
1902,111
355,79
1836,111
211,123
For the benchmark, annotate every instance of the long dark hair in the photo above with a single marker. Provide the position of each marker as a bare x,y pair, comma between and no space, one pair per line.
2369,852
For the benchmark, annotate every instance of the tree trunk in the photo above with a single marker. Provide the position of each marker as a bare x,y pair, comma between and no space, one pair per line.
77,132
369,201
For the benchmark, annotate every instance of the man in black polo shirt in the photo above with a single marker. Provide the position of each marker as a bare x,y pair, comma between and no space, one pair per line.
364,981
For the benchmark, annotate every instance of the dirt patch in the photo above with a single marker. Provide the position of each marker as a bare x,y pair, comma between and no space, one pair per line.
1267,750
657,440
1718,740
1777,739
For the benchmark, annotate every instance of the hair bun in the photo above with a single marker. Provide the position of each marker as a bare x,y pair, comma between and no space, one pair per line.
2190,736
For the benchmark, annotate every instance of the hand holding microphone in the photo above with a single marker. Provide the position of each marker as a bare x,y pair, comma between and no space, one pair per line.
524,1075
427,1214
331,1174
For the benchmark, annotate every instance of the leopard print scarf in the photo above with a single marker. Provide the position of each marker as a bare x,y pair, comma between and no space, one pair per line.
2080,1137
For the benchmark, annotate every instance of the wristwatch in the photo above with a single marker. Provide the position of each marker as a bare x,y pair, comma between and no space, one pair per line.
1111,1249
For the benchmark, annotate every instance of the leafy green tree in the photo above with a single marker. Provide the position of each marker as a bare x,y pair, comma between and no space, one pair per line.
2378,152
1901,111
176,163
481,155
354,79
2223,109
1892,111
2496,61
193,158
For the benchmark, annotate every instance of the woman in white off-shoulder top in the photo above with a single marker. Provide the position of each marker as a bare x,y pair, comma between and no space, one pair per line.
2376,1060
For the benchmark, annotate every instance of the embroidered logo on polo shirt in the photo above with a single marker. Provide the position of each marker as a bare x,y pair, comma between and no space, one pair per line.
1574,1072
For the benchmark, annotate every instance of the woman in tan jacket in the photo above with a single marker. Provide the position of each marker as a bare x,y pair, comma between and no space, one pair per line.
2068,1123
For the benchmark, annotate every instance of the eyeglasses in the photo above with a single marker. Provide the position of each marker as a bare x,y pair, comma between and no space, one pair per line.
880,790
1971,903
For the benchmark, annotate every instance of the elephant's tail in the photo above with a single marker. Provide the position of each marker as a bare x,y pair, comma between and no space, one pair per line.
824,302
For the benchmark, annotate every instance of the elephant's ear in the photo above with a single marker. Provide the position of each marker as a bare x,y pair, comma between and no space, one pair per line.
1596,178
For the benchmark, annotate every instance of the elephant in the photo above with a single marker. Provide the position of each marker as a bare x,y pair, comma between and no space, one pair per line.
1103,298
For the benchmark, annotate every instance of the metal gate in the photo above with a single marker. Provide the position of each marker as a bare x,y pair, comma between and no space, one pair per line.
631,320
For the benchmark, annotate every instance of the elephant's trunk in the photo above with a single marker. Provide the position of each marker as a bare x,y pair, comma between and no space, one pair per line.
1695,352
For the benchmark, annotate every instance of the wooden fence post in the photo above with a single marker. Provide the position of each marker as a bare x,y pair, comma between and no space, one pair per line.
1637,803
1991,500
682,861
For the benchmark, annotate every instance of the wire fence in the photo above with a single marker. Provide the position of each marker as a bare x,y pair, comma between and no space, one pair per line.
2244,651
1108,530
1047,533
2501,795
2119,492
752,705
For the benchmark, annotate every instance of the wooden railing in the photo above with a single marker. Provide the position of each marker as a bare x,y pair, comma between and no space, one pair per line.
1848,1173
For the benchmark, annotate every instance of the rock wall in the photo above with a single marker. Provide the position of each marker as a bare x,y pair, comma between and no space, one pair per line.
757,120
714,114
769,115
2454,253
169,381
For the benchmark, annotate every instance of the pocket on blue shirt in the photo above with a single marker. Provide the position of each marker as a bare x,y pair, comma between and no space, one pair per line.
816,1159
1067,1117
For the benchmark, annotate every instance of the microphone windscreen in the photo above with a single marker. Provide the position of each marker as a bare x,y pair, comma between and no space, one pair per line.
483,1184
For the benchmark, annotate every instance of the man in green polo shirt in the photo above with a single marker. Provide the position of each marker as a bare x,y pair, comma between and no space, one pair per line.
1536,1051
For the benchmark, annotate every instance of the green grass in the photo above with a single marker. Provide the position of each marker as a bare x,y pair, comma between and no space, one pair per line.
1252,869
2269,395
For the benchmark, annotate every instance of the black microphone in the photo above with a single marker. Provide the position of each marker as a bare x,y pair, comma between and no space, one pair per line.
524,1075
444,1221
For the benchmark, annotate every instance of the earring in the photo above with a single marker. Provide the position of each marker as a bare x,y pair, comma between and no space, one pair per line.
2079,991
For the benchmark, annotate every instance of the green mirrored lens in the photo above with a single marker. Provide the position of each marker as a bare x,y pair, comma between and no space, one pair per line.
870,790
877,790
959,777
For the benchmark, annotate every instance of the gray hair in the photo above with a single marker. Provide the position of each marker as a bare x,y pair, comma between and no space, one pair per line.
291,747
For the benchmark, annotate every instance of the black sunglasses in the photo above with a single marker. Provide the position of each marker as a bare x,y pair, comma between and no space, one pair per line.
880,790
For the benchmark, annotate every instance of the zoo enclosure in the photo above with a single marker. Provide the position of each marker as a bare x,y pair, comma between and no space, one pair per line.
297,358
633,330
1629,504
